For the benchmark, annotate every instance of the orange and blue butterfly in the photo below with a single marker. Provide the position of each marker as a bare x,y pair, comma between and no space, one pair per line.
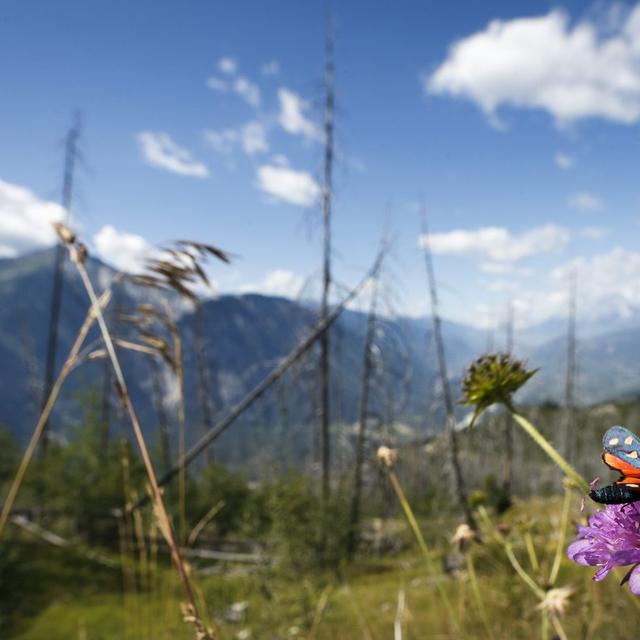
621,452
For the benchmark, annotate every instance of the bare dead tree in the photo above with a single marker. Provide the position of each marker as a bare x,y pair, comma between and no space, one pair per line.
70,156
161,412
458,477
204,381
283,406
105,409
507,425
490,334
108,382
352,538
510,327
570,433
29,359
327,193
338,373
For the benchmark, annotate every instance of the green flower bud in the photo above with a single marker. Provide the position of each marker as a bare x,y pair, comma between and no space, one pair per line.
492,378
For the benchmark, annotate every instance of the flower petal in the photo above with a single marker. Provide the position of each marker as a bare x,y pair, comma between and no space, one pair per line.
602,572
625,557
634,581
577,549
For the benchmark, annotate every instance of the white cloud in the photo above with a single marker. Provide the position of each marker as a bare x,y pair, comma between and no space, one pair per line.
498,244
125,251
288,185
608,284
247,91
251,138
594,233
227,65
254,138
496,268
585,201
270,69
545,62
218,84
25,220
280,160
563,160
159,150
222,141
606,281
280,282
292,115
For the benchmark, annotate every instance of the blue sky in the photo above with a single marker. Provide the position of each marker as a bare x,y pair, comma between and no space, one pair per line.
516,122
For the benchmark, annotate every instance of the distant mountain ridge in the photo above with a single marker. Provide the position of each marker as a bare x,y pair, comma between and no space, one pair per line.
246,335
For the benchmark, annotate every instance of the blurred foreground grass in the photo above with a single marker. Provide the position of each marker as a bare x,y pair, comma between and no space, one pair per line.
54,595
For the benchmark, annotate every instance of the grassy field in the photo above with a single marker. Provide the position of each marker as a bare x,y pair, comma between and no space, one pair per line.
57,595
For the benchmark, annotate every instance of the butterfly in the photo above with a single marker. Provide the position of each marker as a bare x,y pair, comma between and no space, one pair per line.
621,452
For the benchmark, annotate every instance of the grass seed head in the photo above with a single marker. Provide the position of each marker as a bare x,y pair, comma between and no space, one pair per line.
64,233
79,253
180,268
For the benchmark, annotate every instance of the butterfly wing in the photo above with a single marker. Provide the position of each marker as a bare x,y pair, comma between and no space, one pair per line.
622,453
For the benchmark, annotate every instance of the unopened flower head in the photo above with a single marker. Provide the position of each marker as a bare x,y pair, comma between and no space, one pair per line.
611,539
387,456
463,535
556,600
493,378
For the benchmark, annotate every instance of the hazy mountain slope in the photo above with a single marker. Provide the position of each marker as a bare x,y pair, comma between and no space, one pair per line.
608,368
245,337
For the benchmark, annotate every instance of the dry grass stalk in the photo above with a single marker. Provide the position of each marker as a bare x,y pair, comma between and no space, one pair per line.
182,421
70,362
180,269
365,629
146,323
204,521
400,615
78,254
321,607
276,373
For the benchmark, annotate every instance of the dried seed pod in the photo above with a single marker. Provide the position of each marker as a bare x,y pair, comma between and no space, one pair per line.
387,456
64,233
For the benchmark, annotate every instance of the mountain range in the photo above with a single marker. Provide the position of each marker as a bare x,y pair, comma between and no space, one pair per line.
245,336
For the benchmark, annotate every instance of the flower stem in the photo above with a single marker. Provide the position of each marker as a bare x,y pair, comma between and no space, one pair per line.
558,627
526,578
531,550
549,449
562,533
475,587
413,523
545,625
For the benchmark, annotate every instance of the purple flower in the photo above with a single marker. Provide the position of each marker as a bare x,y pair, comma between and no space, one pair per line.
611,539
